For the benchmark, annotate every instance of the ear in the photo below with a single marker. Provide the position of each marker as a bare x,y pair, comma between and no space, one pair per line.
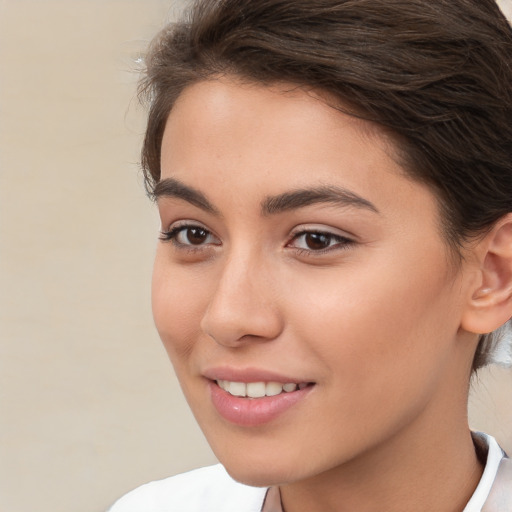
490,304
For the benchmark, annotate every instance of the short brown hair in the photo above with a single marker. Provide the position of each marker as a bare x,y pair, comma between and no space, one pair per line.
436,74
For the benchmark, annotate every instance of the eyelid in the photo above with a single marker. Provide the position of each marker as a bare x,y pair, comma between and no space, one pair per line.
319,228
186,223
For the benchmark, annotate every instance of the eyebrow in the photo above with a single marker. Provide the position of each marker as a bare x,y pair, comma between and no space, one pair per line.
171,187
305,197
293,200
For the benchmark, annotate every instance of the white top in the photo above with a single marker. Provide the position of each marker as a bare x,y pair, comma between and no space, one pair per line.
208,489
494,456
211,489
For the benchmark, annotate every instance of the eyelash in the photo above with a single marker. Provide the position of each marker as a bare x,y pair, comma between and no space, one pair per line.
341,242
172,234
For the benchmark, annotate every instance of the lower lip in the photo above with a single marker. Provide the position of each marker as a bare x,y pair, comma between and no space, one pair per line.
251,412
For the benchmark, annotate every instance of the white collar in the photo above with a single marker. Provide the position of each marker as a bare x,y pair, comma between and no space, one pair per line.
494,456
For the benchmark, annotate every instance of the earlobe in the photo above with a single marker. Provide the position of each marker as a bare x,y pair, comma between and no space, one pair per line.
490,304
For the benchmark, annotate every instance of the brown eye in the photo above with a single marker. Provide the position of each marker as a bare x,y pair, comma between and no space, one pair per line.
183,236
317,241
196,236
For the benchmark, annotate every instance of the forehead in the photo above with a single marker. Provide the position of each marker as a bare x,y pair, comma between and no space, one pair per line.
244,127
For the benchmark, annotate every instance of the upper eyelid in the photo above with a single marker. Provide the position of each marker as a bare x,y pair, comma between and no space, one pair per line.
185,223
305,228
176,227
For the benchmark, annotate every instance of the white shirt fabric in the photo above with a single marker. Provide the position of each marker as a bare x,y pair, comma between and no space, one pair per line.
211,489
208,489
494,457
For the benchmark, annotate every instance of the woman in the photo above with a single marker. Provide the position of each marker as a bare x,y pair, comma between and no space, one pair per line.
334,182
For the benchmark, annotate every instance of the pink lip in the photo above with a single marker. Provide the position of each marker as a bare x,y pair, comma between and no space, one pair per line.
249,375
251,412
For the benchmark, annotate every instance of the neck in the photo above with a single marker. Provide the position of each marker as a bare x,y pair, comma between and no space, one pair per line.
389,478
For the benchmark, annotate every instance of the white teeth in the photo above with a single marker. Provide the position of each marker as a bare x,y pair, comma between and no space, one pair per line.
258,389
273,388
237,388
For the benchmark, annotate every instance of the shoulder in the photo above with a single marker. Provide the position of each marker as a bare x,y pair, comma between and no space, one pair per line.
209,488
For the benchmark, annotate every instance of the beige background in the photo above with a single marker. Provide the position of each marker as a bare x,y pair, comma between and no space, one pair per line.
89,407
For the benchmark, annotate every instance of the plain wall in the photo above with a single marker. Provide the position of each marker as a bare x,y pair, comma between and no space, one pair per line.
89,407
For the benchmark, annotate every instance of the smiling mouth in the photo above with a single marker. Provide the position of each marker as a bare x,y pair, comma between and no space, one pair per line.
260,389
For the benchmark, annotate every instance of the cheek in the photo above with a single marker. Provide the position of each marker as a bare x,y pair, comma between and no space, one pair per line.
381,345
178,304
384,319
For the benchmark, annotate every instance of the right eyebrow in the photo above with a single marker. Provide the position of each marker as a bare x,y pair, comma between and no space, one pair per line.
170,187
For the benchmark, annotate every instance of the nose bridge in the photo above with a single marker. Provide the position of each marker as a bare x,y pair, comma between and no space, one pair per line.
243,305
239,273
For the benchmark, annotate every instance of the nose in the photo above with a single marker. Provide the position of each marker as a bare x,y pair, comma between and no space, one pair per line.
243,306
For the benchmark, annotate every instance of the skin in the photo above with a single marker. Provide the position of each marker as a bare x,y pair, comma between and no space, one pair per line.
374,320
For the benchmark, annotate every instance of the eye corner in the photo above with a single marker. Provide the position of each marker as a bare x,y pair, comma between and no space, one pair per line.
165,235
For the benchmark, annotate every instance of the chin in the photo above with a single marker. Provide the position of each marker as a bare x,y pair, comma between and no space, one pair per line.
264,473
258,477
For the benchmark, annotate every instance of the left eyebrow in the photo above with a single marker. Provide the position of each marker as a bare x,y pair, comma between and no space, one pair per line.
305,197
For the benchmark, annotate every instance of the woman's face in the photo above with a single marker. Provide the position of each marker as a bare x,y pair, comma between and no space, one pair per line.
297,254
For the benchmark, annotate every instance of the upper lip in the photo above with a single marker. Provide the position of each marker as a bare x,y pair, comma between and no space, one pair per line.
249,375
